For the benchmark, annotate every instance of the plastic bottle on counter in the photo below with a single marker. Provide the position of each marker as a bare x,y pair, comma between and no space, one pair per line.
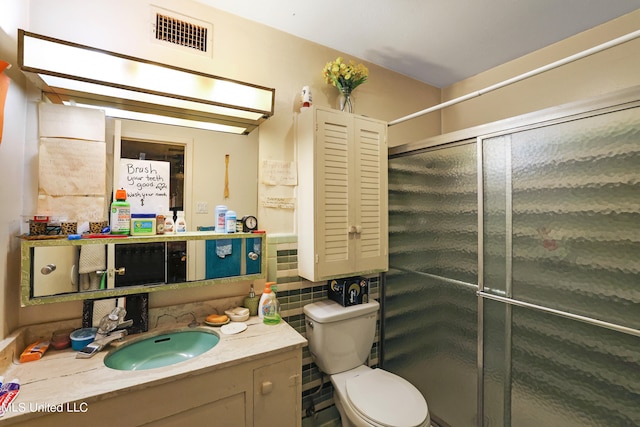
169,225
160,220
263,298
230,222
271,308
120,219
181,223
221,225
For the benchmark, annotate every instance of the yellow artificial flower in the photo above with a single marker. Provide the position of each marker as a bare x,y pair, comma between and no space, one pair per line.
346,77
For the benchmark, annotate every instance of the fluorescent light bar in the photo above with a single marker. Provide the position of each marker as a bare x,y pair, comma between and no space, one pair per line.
75,72
155,118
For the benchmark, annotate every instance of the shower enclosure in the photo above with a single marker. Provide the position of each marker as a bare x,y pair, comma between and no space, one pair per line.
513,294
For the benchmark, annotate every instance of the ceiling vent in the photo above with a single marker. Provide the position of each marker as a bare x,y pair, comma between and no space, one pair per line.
181,31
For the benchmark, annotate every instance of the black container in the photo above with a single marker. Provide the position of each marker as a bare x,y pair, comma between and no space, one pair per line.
349,291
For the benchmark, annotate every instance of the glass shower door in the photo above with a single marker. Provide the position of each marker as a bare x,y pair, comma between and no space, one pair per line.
430,302
561,263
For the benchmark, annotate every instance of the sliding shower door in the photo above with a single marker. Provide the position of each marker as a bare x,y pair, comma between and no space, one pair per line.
561,273
513,296
430,314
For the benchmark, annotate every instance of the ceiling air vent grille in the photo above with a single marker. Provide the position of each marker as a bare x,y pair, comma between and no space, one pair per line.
180,32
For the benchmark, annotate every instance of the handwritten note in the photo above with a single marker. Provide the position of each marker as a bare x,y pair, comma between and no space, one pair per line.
147,185
279,202
277,172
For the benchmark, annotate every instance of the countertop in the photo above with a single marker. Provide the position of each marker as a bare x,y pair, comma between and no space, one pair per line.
60,379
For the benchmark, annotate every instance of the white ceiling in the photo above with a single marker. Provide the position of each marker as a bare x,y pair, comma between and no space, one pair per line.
438,42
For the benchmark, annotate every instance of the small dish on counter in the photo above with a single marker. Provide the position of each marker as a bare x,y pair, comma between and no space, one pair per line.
238,314
233,328
216,320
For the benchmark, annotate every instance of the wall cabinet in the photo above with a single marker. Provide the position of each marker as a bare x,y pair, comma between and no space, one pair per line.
342,211
55,270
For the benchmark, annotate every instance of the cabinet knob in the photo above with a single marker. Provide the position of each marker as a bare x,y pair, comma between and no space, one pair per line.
267,387
48,269
253,256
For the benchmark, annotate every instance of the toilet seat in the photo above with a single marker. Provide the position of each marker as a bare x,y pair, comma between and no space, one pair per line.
395,402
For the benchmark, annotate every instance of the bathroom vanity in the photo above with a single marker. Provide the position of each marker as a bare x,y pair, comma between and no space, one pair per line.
248,379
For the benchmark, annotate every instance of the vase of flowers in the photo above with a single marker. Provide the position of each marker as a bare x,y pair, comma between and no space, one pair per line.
345,77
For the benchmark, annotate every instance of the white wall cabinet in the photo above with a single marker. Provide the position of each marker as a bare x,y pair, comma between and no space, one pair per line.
342,209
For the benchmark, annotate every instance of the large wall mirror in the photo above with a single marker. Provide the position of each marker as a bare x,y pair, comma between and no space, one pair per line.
204,167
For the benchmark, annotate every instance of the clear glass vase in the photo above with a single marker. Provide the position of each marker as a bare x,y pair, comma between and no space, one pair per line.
346,103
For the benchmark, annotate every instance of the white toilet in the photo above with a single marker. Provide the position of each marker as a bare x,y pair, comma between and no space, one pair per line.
340,339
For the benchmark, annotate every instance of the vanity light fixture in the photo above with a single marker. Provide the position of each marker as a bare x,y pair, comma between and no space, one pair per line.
138,89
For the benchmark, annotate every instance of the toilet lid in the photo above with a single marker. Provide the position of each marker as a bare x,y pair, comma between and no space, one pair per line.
386,399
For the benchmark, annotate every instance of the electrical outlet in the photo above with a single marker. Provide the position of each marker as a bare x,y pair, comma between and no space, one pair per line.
202,208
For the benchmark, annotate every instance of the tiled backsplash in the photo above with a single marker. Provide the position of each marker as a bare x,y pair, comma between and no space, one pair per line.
293,294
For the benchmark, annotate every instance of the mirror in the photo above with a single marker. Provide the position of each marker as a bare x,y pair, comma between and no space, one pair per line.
63,270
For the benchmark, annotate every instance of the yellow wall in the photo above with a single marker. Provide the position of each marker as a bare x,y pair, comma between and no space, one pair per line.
257,54
608,71
242,50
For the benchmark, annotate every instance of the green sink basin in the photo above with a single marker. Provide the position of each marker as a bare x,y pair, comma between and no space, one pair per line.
161,350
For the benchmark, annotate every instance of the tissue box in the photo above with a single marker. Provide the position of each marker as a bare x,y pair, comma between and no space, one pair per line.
349,291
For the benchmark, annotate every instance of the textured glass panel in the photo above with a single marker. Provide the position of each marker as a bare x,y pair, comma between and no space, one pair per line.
430,306
576,216
562,367
496,380
496,161
430,339
433,212
563,372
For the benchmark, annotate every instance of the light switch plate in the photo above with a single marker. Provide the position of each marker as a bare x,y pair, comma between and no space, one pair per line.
202,208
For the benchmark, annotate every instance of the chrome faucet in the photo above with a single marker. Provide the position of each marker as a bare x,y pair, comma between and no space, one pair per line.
114,321
112,327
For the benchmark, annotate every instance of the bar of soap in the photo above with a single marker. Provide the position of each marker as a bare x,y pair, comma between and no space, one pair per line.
34,351
216,318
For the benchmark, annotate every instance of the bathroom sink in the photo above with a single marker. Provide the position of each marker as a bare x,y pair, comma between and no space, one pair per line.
161,350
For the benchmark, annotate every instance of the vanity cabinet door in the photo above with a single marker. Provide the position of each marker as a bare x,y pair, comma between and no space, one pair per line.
277,394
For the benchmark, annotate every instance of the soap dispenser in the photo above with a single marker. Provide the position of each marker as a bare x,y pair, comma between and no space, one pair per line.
251,302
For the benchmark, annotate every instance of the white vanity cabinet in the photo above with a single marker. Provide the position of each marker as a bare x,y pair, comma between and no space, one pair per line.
342,197
262,392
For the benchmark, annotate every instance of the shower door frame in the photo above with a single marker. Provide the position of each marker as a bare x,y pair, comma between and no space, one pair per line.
616,101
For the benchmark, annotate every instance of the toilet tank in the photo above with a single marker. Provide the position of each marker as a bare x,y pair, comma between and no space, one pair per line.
340,338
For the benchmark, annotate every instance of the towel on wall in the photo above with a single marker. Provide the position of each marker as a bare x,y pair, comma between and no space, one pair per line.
92,258
224,247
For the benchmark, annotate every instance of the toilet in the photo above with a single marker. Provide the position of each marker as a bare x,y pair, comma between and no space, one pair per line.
340,339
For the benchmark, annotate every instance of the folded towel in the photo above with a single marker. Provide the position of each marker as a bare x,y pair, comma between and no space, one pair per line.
92,258
224,247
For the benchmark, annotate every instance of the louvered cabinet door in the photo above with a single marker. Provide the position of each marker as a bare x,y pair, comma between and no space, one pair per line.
342,195
334,193
370,213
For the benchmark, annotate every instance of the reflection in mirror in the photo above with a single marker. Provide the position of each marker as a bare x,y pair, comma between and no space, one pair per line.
65,270
55,270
